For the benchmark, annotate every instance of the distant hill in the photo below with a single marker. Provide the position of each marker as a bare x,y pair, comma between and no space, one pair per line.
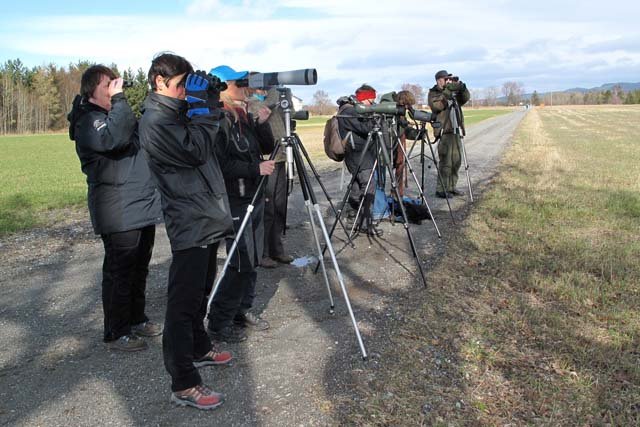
626,87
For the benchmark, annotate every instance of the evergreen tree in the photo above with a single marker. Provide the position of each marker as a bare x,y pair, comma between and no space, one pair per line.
535,98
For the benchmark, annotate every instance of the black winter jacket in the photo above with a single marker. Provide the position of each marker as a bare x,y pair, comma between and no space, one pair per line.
349,121
182,159
121,194
240,154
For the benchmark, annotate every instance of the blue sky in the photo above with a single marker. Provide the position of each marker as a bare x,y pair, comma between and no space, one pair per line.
544,45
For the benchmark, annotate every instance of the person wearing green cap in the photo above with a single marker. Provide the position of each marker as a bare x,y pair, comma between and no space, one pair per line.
449,148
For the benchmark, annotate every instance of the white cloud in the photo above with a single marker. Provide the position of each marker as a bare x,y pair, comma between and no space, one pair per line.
349,42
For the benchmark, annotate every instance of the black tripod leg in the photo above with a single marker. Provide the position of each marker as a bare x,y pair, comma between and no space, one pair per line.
435,163
324,190
394,187
420,190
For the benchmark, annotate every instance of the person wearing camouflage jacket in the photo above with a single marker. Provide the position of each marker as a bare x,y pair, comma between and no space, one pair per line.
449,148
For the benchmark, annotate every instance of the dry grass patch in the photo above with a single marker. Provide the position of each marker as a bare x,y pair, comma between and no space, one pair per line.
532,316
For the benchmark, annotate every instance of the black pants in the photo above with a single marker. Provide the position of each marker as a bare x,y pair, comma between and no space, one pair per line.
275,211
191,277
237,289
124,279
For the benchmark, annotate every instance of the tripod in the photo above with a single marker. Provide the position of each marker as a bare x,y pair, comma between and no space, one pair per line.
455,115
293,148
375,138
424,140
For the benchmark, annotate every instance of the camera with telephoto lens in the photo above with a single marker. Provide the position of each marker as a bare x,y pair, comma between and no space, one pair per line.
127,83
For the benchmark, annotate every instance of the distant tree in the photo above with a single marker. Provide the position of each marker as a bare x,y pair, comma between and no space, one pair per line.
47,106
321,103
491,96
535,98
513,92
416,90
138,92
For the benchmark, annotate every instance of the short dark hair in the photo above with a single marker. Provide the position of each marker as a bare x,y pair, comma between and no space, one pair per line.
167,65
365,87
91,79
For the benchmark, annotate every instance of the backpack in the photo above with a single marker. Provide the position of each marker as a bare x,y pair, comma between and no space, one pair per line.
333,143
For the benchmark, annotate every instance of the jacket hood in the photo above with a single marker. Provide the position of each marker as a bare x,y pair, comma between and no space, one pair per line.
79,108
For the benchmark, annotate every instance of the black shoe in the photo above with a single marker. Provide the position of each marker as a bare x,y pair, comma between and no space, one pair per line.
371,230
442,195
456,193
227,334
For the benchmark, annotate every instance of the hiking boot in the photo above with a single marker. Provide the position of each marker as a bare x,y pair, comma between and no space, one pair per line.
456,193
284,259
214,357
250,320
129,342
147,329
267,262
228,334
442,195
200,396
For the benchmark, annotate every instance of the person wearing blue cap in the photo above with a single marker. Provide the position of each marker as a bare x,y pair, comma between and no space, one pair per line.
240,155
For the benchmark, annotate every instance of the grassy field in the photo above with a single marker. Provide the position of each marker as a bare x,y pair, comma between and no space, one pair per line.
533,312
40,173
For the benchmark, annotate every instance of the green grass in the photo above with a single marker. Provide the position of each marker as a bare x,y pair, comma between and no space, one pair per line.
38,173
42,172
472,116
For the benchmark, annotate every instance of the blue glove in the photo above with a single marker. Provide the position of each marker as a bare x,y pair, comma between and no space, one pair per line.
196,87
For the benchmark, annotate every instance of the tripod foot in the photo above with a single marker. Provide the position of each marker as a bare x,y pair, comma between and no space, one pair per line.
365,358
332,310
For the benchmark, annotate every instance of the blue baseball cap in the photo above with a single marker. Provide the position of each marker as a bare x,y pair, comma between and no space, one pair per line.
226,73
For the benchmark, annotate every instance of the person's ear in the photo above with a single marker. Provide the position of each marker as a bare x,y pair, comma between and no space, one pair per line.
160,82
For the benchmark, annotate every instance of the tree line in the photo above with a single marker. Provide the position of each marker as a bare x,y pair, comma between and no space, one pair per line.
37,99
512,94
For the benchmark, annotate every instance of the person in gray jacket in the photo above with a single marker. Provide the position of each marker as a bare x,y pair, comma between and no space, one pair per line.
124,205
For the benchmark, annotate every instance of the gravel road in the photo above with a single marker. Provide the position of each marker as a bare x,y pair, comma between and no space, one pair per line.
55,370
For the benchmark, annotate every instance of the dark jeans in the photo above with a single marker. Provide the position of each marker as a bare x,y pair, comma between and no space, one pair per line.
237,289
124,279
275,211
184,340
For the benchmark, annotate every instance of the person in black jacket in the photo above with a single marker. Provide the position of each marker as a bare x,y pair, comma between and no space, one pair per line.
240,155
124,205
356,129
179,143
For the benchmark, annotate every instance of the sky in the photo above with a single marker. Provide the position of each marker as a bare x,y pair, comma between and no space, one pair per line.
544,45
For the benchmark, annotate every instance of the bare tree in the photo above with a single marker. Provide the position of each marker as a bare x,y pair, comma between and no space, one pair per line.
491,96
416,90
513,91
321,104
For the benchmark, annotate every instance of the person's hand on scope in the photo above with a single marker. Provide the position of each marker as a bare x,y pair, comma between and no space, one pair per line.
115,86
267,167
263,114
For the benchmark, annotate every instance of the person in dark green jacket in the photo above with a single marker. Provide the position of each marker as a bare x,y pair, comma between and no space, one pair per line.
449,149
